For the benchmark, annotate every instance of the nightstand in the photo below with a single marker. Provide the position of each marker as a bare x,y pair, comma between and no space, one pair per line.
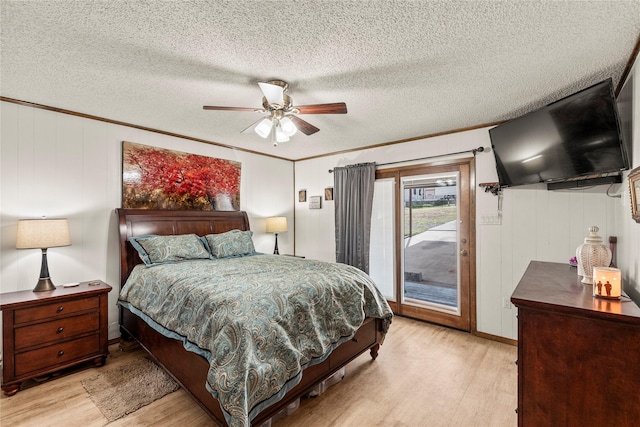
43,332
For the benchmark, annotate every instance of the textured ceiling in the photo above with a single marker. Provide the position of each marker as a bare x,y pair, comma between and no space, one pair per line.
404,68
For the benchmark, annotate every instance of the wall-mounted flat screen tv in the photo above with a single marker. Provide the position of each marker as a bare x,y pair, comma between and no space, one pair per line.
569,141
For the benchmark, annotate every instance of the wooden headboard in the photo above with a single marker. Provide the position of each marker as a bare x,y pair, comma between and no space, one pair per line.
139,222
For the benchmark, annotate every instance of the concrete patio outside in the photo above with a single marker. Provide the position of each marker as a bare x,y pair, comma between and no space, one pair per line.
430,265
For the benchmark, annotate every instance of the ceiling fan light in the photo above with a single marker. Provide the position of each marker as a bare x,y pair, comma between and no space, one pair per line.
288,127
281,136
264,127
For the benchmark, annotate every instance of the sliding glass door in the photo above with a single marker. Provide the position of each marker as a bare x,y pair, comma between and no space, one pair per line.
430,241
422,241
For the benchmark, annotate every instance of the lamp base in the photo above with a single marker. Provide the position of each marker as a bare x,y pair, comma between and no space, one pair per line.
44,284
275,250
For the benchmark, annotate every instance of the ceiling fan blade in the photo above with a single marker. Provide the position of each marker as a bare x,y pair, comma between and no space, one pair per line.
212,107
334,108
273,93
304,127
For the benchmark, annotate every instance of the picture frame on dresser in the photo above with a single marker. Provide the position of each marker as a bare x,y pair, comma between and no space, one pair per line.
634,192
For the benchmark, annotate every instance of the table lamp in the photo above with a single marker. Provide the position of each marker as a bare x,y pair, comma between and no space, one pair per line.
43,234
276,224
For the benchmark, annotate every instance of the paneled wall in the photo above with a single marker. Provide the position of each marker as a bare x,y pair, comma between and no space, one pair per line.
536,224
58,165
64,166
628,230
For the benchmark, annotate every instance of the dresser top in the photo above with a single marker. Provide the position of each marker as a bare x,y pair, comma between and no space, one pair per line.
26,298
557,287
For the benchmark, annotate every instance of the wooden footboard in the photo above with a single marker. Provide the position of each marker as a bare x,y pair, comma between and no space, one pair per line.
190,369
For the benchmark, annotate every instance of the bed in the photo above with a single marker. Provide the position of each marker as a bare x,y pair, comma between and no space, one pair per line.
193,367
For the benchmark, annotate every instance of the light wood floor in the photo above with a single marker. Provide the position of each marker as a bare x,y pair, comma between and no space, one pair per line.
425,375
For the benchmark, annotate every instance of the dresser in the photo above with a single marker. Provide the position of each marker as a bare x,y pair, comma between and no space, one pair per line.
578,356
43,332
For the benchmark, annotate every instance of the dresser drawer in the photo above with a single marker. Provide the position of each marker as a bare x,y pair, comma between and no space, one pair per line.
56,354
59,329
364,338
55,309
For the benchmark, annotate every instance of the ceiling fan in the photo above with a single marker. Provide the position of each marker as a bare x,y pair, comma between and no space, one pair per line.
282,121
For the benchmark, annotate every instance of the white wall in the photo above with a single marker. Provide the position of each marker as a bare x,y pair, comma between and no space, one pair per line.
536,224
628,230
60,165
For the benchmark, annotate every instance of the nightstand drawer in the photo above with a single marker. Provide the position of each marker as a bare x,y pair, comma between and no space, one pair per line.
56,354
34,335
44,332
54,310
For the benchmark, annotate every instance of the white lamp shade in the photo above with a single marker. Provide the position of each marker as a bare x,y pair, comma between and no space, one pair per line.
264,128
42,233
280,135
276,224
288,127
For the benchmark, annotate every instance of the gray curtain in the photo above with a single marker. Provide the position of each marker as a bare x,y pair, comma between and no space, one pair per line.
353,199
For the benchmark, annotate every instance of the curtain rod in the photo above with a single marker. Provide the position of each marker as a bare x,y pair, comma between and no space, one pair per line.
474,151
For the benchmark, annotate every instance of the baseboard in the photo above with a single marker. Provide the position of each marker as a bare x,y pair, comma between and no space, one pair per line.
495,338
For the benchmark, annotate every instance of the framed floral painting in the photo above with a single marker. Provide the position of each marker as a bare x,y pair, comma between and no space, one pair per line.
156,178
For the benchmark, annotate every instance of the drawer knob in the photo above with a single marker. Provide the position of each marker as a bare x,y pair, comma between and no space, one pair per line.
61,352
60,309
60,329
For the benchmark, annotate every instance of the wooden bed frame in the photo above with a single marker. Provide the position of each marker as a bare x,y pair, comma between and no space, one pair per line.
188,368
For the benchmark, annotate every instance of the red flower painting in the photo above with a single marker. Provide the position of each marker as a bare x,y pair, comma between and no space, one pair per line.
155,178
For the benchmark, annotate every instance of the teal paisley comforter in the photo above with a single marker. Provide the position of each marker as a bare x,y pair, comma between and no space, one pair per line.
258,319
